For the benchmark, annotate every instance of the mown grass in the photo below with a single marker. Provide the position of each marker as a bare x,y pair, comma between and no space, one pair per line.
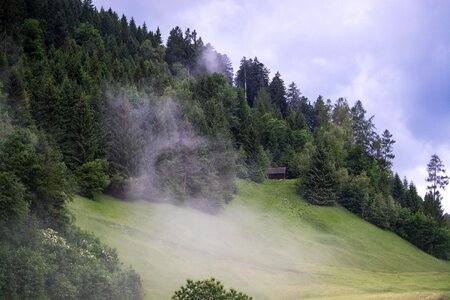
267,243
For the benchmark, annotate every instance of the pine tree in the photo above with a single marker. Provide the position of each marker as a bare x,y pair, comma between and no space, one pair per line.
18,99
293,97
82,144
437,181
321,113
397,190
433,208
176,48
319,184
278,94
252,76
341,113
386,150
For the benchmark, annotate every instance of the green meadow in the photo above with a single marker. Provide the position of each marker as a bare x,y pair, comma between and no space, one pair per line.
267,243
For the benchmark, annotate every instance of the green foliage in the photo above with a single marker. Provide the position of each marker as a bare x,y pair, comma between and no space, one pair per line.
259,165
207,289
18,101
424,232
278,94
46,264
39,168
32,44
252,76
319,185
12,200
92,177
354,191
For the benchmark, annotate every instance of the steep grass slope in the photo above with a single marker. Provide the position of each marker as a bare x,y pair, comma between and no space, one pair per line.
267,243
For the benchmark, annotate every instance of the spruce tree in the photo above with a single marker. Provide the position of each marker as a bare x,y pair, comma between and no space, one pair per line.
319,184
437,181
278,94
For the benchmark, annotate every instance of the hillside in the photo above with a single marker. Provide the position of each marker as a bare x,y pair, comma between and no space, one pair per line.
267,243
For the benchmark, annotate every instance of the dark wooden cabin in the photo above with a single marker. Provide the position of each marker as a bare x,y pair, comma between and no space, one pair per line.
276,173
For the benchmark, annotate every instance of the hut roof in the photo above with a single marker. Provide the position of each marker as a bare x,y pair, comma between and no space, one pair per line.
281,170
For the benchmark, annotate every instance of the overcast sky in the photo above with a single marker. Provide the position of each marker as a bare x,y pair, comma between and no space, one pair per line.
394,56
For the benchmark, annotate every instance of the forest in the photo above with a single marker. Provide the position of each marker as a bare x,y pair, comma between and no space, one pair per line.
91,102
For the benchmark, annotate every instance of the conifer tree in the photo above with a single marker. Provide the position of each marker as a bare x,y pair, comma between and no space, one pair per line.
386,149
278,94
319,185
82,145
293,97
437,180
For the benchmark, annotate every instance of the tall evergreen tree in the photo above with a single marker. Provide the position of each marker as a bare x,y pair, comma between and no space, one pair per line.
82,144
437,180
319,185
321,112
432,207
398,190
278,94
252,76
176,48
293,97
18,99
386,149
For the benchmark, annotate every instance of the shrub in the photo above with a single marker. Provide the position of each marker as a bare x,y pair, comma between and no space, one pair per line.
207,289
92,177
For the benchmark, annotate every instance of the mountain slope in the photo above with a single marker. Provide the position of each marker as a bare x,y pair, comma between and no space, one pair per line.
267,243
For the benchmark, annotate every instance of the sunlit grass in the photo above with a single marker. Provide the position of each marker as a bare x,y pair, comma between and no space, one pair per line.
267,243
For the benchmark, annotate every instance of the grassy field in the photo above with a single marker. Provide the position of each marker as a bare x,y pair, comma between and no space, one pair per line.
267,243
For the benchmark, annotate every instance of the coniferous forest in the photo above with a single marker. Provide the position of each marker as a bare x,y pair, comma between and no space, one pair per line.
91,102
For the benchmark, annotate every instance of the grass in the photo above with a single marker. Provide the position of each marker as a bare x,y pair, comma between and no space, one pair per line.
267,243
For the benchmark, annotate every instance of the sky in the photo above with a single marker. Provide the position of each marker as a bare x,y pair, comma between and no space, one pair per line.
394,56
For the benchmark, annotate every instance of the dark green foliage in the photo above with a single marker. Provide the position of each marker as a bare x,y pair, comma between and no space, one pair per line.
13,205
424,232
386,149
176,47
207,289
18,100
82,140
321,112
278,94
432,207
258,165
92,177
47,264
319,185
397,189
32,44
39,168
293,98
354,192
252,76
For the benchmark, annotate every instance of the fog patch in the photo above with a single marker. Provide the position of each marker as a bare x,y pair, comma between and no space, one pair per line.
165,158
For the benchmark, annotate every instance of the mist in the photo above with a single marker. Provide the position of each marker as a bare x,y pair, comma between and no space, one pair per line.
199,235
244,248
169,159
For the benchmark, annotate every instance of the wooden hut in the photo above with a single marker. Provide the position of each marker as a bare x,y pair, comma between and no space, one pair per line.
276,173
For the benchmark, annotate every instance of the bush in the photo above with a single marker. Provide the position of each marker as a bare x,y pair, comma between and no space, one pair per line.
92,177
207,289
